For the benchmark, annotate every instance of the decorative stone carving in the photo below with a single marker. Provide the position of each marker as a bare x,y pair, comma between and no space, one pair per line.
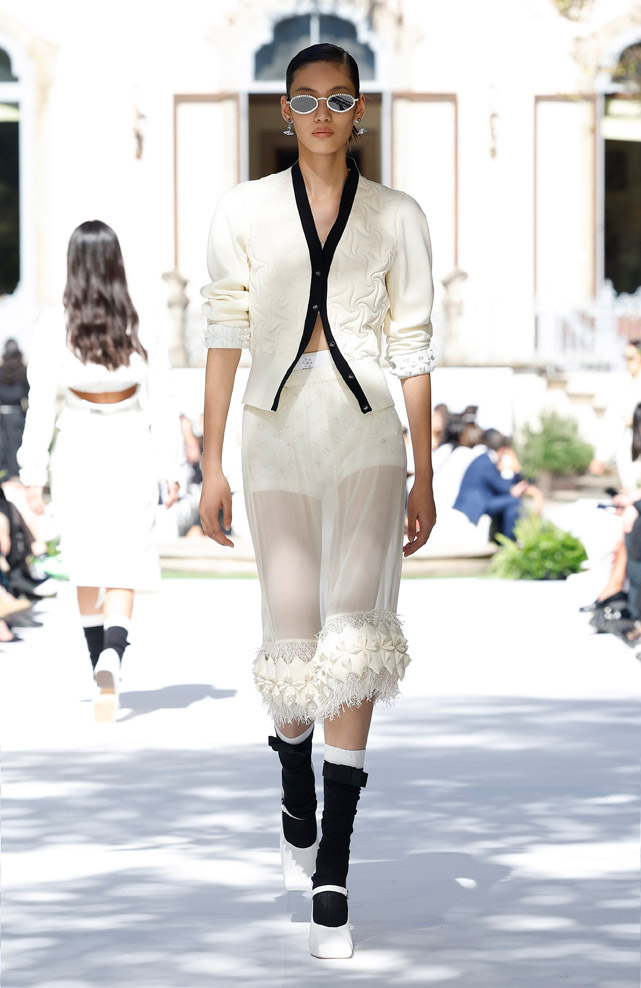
453,308
177,303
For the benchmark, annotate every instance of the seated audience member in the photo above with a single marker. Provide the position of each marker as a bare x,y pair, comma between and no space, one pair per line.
450,470
440,418
449,440
485,490
21,546
614,595
14,389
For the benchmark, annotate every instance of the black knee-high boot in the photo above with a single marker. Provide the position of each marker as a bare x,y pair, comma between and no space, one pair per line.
342,786
299,791
95,637
116,638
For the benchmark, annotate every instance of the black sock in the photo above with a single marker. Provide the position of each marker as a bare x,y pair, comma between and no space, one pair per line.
95,642
116,638
299,790
342,786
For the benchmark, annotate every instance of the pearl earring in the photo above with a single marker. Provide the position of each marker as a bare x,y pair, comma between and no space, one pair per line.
363,130
289,132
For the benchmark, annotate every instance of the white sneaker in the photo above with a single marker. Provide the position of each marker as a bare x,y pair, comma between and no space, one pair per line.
330,942
107,677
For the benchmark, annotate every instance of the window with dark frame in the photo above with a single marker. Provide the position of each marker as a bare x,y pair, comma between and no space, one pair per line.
9,184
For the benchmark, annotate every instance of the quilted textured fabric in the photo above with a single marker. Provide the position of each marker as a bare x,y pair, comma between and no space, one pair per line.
378,286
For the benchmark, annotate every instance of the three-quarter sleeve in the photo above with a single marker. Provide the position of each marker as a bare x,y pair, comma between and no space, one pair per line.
48,342
227,296
158,400
408,326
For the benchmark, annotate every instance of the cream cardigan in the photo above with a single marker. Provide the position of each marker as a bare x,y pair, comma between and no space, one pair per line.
271,277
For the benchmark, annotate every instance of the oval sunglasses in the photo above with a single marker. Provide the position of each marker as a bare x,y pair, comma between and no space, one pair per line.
338,103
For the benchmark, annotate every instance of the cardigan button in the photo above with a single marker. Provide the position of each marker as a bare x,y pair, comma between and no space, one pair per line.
314,308
331,343
366,408
318,273
350,377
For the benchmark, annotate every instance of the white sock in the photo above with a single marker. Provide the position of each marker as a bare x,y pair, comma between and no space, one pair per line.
118,621
297,740
92,620
343,756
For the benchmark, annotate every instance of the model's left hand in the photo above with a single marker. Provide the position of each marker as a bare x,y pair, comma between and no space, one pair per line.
421,516
172,492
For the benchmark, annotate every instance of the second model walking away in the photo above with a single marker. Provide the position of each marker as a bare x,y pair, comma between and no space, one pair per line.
310,268
114,442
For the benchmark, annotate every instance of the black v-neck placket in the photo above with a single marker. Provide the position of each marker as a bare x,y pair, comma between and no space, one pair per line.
321,259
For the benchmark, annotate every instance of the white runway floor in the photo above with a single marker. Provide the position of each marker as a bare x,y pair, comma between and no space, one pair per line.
496,845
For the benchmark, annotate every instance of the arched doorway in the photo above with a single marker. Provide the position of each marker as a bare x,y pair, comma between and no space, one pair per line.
621,131
268,149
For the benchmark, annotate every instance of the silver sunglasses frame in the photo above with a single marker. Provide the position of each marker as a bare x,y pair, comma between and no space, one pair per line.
304,113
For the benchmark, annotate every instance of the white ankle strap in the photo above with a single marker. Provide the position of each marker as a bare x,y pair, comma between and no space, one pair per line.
330,888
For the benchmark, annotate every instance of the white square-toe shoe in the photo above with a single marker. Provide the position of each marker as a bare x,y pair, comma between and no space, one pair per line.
298,863
107,677
330,942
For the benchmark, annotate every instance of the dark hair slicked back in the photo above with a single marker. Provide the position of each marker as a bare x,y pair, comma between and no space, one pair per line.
323,53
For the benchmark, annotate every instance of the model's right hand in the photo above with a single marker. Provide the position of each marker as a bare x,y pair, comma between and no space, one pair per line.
35,500
215,494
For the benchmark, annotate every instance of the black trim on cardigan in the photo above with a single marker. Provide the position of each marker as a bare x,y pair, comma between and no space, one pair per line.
321,259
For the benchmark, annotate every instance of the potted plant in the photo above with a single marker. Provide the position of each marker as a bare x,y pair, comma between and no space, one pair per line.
540,551
555,454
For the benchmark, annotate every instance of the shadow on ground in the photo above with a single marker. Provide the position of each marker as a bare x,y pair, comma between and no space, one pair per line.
489,852
134,703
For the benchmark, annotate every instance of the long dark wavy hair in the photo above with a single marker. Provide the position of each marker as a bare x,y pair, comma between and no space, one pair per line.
12,368
102,323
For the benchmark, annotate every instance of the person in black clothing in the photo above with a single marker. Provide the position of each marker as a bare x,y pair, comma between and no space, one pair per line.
14,389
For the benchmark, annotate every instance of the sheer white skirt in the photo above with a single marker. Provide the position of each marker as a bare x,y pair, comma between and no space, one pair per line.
325,493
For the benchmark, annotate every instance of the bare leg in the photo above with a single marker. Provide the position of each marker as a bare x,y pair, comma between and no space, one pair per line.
6,634
87,601
294,728
616,579
118,601
350,729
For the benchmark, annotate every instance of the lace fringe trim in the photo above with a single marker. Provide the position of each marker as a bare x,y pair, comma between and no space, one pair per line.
284,675
360,657
357,657
227,337
413,364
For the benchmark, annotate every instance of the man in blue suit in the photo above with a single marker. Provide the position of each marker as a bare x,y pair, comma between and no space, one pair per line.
484,491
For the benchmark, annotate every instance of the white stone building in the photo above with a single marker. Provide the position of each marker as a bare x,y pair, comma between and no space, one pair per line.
511,122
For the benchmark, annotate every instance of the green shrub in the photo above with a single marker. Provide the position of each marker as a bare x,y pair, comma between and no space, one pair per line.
556,448
541,552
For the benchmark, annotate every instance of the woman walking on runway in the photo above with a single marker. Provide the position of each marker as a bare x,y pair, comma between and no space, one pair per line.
115,441
308,267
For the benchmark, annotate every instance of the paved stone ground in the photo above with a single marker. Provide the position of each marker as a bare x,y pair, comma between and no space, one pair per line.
496,844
